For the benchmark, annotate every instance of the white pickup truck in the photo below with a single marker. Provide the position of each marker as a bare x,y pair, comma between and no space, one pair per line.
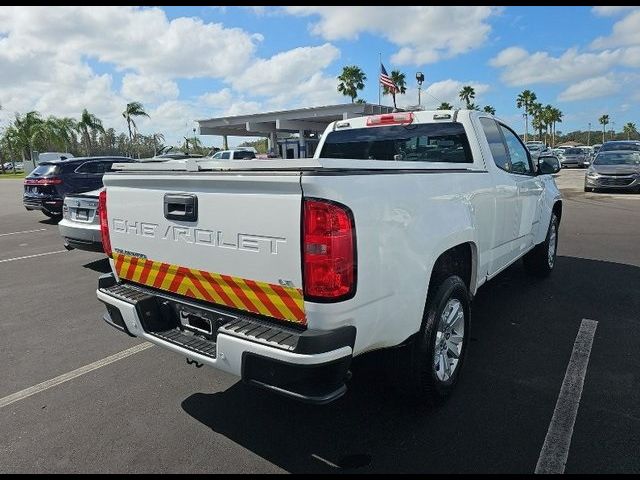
281,271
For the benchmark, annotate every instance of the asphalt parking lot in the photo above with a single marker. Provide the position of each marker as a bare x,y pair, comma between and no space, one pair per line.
151,412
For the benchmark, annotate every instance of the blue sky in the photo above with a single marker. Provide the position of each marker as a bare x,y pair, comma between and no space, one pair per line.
186,63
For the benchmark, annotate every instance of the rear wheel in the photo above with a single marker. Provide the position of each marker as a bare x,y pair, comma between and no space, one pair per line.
435,358
588,189
542,259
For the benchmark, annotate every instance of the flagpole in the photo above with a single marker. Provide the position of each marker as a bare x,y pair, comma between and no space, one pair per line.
379,84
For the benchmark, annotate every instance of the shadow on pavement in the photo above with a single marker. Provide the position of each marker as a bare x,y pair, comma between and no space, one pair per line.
100,266
51,220
496,421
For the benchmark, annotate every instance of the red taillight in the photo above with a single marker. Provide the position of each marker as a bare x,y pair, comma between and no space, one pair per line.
329,251
104,222
43,181
390,119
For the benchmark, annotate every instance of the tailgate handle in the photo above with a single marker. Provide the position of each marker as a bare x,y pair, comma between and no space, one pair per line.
181,207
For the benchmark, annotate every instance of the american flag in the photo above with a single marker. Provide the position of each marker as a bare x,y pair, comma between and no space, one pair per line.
385,80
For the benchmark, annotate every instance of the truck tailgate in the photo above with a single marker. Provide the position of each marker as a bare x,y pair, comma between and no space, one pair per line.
241,249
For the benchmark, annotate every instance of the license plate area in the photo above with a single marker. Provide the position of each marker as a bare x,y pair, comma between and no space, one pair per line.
198,321
195,321
82,214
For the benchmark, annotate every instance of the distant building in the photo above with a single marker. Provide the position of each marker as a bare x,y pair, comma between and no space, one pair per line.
291,133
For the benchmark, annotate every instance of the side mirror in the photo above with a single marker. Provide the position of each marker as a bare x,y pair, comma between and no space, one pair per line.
548,164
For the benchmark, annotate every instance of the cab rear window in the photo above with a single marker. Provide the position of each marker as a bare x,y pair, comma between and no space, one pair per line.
427,142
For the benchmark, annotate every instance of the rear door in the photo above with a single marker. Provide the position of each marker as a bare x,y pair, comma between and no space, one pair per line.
530,189
228,238
89,176
503,250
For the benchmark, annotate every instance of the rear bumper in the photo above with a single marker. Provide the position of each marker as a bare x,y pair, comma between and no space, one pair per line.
81,236
307,365
571,162
50,205
613,183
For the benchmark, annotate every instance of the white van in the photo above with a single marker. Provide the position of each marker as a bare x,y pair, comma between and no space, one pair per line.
30,164
48,156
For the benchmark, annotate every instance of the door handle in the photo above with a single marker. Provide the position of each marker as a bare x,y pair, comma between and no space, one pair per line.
181,207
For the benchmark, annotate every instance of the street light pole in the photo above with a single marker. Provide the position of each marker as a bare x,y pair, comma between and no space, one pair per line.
420,79
589,136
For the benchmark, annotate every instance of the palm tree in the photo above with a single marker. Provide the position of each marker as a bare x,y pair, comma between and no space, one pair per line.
467,94
157,137
556,117
55,133
473,106
525,100
547,119
88,124
445,106
399,79
535,110
23,132
489,109
603,120
192,143
351,80
66,130
630,129
134,109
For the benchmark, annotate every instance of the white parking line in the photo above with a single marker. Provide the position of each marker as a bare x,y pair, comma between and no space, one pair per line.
317,457
23,231
31,256
27,392
555,451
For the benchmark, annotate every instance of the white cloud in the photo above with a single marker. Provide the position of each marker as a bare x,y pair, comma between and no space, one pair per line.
174,118
589,88
609,11
216,99
139,39
625,32
523,68
423,34
47,57
315,91
242,107
67,89
285,70
509,56
145,88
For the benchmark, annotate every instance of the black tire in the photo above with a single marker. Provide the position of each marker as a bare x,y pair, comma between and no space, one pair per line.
537,261
419,373
588,189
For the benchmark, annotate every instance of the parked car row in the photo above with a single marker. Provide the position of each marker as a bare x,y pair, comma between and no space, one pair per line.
46,186
67,188
9,167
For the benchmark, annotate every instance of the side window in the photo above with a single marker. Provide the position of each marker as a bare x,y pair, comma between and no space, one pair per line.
89,167
496,143
225,156
218,155
106,166
517,152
